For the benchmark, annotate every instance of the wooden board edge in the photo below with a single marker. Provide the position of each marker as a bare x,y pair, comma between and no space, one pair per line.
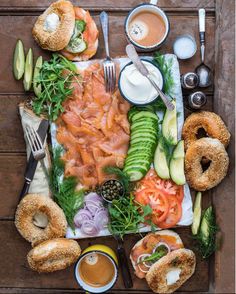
224,194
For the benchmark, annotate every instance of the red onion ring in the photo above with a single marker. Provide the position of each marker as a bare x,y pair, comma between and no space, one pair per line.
162,244
101,218
145,255
88,227
81,216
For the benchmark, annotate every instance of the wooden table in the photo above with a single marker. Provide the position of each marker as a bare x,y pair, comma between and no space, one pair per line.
16,21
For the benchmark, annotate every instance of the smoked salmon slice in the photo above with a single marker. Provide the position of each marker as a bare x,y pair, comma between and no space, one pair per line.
93,130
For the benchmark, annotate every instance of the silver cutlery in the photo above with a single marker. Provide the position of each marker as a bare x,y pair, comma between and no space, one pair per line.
108,64
36,147
203,71
32,163
133,55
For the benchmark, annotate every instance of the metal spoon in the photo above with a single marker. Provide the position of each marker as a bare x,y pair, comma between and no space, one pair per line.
203,71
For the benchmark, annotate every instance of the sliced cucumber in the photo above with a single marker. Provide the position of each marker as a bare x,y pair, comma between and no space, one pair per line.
169,125
160,161
197,213
144,123
19,60
76,45
205,225
29,65
141,140
148,135
132,111
137,164
144,114
145,108
142,131
37,86
135,173
177,164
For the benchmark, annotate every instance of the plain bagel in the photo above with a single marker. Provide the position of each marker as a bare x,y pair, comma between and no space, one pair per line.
210,122
54,28
213,150
53,255
33,204
182,261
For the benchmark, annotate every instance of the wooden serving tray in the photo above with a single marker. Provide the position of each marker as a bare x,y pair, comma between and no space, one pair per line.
16,21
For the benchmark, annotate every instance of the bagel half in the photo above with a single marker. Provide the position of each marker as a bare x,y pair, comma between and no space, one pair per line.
54,28
148,243
33,204
214,151
53,255
210,122
171,271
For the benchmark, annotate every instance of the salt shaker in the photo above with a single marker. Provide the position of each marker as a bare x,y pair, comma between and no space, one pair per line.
197,99
189,80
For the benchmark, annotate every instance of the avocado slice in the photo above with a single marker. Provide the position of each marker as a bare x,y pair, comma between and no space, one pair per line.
37,86
28,76
169,125
19,60
177,164
160,161
197,213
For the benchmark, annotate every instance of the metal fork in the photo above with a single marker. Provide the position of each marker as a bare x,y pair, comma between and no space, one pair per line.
36,147
109,67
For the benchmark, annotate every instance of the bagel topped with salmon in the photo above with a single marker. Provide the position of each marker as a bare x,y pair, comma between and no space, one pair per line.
160,257
71,30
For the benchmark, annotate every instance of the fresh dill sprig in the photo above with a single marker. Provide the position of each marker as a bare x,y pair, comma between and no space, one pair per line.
64,189
165,67
56,77
206,237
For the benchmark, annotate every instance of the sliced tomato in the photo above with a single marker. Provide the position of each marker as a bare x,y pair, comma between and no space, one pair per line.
174,214
168,187
157,200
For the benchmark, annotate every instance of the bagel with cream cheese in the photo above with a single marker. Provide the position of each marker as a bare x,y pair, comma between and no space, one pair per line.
53,255
35,204
160,257
68,29
148,245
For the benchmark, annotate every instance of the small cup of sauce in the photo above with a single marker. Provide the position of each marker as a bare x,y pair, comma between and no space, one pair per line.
135,87
97,269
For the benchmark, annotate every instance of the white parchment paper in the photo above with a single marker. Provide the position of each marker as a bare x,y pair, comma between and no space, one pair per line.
187,212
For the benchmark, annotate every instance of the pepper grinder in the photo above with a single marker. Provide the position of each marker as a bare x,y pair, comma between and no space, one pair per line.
197,99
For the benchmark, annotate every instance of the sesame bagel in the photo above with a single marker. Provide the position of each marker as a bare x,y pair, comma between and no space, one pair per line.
54,28
53,255
213,150
181,260
33,204
210,122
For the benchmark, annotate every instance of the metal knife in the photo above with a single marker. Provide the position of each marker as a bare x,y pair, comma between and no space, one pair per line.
32,163
133,55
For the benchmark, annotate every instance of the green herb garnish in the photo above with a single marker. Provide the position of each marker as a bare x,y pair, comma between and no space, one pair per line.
64,189
125,216
165,67
56,77
160,252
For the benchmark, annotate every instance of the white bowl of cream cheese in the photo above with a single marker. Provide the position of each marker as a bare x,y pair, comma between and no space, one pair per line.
135,87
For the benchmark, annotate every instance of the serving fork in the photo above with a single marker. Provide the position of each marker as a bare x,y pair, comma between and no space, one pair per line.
109,67
36,147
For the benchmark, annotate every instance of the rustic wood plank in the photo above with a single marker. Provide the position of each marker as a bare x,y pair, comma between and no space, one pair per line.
93,4
22,277
11,134
224,194
14,27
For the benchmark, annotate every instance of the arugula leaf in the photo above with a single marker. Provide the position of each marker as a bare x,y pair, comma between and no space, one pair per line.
56,77
125,216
